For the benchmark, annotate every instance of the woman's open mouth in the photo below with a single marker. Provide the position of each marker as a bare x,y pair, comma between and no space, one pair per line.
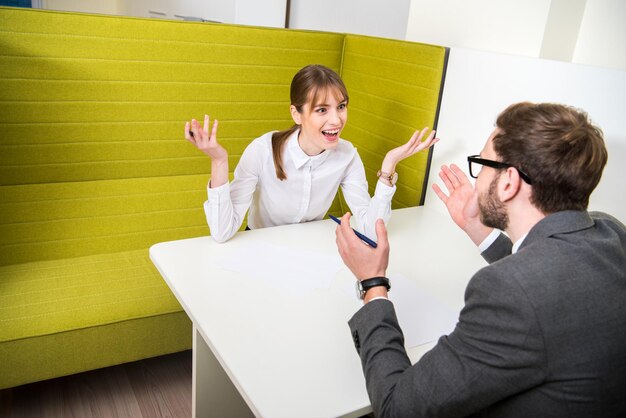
331,134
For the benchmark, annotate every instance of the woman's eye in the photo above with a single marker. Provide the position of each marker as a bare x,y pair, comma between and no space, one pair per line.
342,106
320,110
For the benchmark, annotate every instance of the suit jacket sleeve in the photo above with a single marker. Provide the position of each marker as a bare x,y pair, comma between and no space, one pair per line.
496,350
500,248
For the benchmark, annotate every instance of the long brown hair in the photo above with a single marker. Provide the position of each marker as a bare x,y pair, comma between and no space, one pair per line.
558,147
306,87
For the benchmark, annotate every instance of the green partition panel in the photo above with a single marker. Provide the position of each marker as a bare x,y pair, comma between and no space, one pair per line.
92,110
394,90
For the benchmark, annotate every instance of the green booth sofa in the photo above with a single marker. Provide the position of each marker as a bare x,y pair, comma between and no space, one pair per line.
94,168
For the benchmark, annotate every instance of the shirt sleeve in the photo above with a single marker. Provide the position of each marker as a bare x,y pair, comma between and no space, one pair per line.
365,209
227,205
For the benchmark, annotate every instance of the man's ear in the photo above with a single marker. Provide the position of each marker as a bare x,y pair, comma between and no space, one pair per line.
509,184
295,115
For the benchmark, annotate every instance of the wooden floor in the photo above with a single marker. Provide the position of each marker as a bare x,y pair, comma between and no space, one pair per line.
151,388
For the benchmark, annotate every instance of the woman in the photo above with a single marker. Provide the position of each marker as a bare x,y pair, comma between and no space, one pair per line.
292,176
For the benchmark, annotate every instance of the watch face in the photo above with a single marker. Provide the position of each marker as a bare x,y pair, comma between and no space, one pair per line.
360,293
394,178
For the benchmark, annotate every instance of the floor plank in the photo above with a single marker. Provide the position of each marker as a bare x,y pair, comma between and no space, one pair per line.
151,388
162,391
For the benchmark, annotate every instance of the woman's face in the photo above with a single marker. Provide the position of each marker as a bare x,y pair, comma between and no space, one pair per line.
321,123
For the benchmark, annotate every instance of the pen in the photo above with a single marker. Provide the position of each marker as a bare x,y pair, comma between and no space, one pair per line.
358,234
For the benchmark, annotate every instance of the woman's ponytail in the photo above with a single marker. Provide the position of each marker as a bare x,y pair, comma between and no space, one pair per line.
278,140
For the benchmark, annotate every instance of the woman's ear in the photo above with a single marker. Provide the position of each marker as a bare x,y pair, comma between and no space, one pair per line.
295,115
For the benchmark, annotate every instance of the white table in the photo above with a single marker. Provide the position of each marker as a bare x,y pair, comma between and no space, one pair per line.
259,351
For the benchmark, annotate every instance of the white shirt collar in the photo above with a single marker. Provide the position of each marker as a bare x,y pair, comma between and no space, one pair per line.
299,157
518,243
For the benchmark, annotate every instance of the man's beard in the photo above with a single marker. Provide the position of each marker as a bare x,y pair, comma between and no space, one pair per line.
492,210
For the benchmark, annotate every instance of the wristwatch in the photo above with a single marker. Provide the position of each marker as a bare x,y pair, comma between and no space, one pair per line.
391,178
362,286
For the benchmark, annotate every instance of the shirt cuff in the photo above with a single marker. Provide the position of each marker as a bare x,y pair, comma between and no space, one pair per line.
217,193
384,191
491,238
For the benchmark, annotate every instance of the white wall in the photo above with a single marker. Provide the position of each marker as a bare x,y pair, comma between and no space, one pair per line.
479,85
562,27
520,27
383,18
602,36
246,12
507,26
111,7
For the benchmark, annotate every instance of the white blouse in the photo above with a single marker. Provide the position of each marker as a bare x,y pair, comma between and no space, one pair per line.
306,194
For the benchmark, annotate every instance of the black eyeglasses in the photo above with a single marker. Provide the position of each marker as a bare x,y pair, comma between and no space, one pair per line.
475,159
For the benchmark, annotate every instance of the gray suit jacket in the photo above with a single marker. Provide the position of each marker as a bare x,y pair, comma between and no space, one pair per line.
542,333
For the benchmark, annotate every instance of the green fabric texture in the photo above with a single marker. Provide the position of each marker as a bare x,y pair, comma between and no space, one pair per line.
74,351
94,168
394,90
64,316
48,297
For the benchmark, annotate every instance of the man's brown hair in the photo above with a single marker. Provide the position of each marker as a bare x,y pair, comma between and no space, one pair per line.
562,152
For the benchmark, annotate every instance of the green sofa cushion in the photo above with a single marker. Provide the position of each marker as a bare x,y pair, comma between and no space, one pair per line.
48,297
70,308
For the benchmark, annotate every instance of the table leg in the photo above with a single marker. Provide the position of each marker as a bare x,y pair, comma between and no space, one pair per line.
213,394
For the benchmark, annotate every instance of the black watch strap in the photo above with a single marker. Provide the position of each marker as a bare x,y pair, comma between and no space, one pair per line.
364,285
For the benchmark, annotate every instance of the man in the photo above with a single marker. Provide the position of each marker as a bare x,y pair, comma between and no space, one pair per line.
543,329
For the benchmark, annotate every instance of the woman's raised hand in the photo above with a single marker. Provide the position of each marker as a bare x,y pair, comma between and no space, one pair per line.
205,142
412,147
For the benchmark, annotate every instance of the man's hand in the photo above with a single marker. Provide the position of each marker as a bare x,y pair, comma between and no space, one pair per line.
364,261
462,202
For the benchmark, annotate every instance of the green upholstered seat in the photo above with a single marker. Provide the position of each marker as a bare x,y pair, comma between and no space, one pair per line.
68,315
94,168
